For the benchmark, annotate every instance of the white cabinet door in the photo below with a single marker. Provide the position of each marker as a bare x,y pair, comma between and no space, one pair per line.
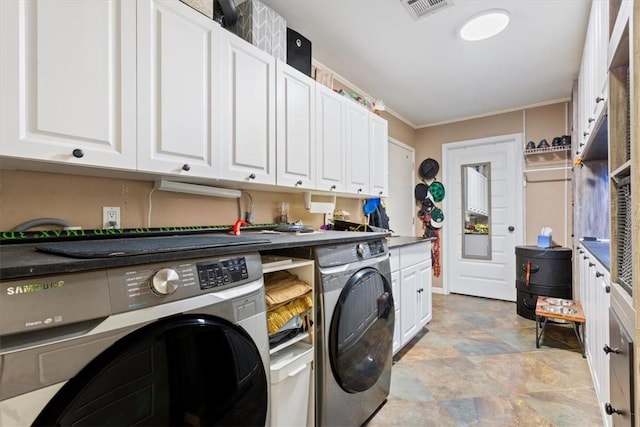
379,156
409,279
595,298
330,140
67,78
424,293
248,134
176,118
295,130
395,289
357,144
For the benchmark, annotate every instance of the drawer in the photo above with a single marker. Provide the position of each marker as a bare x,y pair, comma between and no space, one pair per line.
415,254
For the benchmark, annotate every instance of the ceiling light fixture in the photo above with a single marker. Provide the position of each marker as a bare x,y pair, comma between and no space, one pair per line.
484,25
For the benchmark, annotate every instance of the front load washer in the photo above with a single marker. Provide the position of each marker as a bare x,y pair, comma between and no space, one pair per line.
355,333
173,343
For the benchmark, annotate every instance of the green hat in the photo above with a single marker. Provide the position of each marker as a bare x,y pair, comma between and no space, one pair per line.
437,191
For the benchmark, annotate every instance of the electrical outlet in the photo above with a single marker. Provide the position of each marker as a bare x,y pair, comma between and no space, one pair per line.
111,217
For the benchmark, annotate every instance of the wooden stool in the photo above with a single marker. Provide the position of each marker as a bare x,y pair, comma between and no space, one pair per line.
564,309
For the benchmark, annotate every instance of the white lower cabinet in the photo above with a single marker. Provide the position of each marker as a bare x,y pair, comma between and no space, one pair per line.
595,287
411,283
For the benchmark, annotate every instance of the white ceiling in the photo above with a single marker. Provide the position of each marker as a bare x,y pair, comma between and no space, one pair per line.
425,73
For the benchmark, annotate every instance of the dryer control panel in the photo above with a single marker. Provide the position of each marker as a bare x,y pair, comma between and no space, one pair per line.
346,253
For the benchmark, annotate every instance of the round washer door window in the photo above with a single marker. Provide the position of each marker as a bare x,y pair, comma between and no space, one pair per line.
361,334
185,370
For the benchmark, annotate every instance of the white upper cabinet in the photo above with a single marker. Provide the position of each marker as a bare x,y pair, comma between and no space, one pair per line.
593,79
177,119
67,78
248,132
296,133
379,156
357,143
330,140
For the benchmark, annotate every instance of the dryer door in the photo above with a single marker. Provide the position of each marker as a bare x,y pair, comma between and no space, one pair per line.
361,332
182,370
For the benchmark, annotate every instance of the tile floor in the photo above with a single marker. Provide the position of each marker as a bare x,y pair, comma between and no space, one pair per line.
476,364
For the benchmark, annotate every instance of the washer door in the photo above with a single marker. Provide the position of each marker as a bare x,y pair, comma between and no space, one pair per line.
361,332
180,371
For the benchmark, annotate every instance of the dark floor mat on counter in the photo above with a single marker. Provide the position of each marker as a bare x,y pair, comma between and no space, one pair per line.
144,246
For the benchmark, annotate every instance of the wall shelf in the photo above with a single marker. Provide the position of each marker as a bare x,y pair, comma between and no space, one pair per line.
557,149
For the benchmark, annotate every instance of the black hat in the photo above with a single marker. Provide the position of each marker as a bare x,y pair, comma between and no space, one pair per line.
429,168
543,144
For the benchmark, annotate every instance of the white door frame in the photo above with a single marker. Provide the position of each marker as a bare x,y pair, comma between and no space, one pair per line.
412,152
448,204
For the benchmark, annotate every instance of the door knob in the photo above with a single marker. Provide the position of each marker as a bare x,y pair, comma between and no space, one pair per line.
511,228
608,350
610,410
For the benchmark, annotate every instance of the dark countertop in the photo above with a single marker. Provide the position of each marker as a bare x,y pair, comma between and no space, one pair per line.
398,241
600,250
24,260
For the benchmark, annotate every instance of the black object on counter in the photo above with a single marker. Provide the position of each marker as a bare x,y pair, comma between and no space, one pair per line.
151,245
541,271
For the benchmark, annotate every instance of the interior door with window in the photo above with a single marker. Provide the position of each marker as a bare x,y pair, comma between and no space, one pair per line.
484,214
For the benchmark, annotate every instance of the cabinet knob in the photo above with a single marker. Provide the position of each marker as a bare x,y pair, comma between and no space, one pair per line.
186,167
585,257
585,133
591,120
78,153
598,274
252,176
599,99
511,228
610,410
581,251
359,190
299,182
591,264
380,193
333,187
608,350
607,289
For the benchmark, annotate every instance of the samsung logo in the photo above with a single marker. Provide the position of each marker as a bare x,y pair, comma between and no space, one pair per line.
36,287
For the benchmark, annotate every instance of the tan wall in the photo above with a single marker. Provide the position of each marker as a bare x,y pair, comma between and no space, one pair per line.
79,199
535,123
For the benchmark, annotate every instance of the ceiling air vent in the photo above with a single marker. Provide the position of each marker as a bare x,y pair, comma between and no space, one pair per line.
420,8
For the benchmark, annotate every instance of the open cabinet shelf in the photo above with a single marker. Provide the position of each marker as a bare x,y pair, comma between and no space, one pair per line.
292,361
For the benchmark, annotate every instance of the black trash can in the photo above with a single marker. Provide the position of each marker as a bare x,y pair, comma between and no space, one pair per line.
541,271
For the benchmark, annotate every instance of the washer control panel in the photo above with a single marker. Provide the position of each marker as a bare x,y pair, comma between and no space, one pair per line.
220,273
